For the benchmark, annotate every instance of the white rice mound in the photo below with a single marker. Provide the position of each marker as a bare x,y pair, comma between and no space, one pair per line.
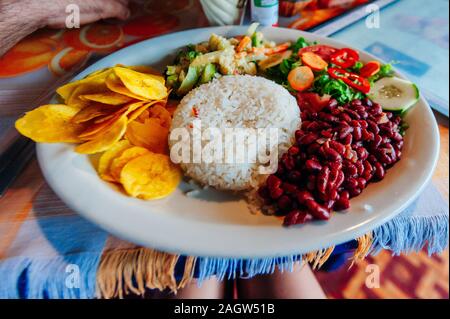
240,101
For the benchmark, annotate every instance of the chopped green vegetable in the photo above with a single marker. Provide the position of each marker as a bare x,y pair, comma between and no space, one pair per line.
208,73
257,39
300,44
324,84
386,70
357,67
189,81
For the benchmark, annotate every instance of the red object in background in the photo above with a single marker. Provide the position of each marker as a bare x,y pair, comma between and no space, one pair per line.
320,11
289,8
151,25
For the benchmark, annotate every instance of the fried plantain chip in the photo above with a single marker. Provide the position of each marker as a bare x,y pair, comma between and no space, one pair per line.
150,176
97,77
148,86
94,110
50,124
160,112
127,155
104,163
110,98
98,127
150,134
114,83
105,140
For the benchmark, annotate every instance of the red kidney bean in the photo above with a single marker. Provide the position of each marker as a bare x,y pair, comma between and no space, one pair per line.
353,114
299,134
284,202
330,153
355,192
362,153
350,169
294,150
338,147
360,167
322,179
366,135
311,183
313,165
376,142
373,127
327,117
273,182
347,140
294,176
317,210
304,196
345,131
357,133
327,133
368,171
276,193
379,171
345,117
308,139
337,153
340,179
296,217
362,182
351,183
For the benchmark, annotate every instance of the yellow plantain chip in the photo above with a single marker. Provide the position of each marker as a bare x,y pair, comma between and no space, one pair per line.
50,124
76,99
137,112
98,127
150,176
148,86
115,84
110,98
160,112
150,134
92,111
104,163
104,141
127,155
97,77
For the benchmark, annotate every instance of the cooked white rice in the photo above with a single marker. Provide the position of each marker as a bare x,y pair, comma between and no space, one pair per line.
240,101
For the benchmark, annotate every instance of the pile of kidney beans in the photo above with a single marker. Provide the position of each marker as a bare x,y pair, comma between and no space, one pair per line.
337,152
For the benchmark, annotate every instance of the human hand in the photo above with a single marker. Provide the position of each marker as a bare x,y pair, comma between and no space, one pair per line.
90,11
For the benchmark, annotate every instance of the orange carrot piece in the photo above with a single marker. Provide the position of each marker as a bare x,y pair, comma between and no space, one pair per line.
301,78
314,61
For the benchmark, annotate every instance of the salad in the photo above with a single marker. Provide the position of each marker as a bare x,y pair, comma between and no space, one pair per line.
314,72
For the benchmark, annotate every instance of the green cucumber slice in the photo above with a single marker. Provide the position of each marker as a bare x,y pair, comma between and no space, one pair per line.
394,94
189,81
208,73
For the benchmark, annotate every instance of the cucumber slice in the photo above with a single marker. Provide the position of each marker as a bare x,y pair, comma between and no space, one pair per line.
394,94
208,73
189,81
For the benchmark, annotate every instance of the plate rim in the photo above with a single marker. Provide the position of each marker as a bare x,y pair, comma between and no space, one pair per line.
345,235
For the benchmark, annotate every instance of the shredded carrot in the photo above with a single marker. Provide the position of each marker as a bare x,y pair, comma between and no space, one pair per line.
243,44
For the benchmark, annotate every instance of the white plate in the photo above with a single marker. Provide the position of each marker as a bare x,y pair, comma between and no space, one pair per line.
219,225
